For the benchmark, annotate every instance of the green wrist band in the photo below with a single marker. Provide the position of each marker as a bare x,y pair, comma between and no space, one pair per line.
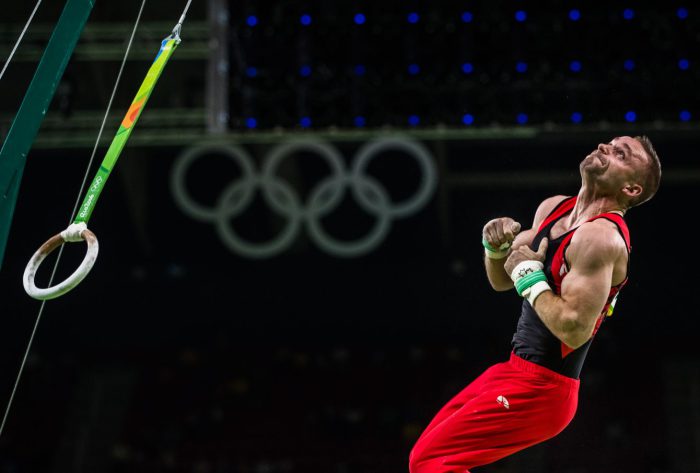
495,253
530,280
526,282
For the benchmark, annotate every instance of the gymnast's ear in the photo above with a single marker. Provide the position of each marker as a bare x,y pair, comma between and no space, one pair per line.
633,190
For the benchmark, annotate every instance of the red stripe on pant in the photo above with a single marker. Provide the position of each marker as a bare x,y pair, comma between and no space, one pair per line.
511,406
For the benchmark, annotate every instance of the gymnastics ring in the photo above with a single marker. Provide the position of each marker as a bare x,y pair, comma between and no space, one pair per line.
72,280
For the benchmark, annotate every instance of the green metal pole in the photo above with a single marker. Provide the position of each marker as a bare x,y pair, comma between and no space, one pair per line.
34,106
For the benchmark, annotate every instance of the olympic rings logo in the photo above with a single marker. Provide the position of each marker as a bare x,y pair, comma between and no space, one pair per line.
281,198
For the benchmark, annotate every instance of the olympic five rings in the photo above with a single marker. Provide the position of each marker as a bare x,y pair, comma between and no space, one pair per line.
369,193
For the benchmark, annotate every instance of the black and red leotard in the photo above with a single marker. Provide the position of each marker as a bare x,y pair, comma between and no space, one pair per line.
533,341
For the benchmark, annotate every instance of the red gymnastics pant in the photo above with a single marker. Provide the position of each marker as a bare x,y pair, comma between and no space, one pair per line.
509,407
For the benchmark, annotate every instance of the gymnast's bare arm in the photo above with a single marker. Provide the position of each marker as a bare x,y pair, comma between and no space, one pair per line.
597,257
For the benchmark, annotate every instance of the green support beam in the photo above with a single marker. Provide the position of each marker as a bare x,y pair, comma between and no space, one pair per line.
34,106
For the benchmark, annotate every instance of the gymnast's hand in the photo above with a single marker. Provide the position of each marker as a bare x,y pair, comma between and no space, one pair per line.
524,253
499,233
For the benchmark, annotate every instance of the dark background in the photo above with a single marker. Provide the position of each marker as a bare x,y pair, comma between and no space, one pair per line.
178,355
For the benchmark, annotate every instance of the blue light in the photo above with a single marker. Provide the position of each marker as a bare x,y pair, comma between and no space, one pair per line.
468,119
682,13
575,66
251,122
574,15
251,71
628,14
467,68
683,64
305,19
305,122
360,19
631,116
520,15
413,17
360,121
414,120
629,64
521,67
360,70
521,118
576,117
413,69
684,116
305,71
467,17
252,20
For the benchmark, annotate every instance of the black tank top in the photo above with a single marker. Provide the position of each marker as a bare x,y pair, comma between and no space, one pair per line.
533,341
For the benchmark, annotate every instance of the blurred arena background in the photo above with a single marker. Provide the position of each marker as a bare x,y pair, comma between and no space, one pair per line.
290,275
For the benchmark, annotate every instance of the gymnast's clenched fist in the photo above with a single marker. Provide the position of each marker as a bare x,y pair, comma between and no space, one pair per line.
497,236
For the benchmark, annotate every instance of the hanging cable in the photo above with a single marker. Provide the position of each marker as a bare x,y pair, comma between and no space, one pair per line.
75,209
19,40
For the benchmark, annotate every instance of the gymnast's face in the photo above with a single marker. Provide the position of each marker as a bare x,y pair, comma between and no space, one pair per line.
616,164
